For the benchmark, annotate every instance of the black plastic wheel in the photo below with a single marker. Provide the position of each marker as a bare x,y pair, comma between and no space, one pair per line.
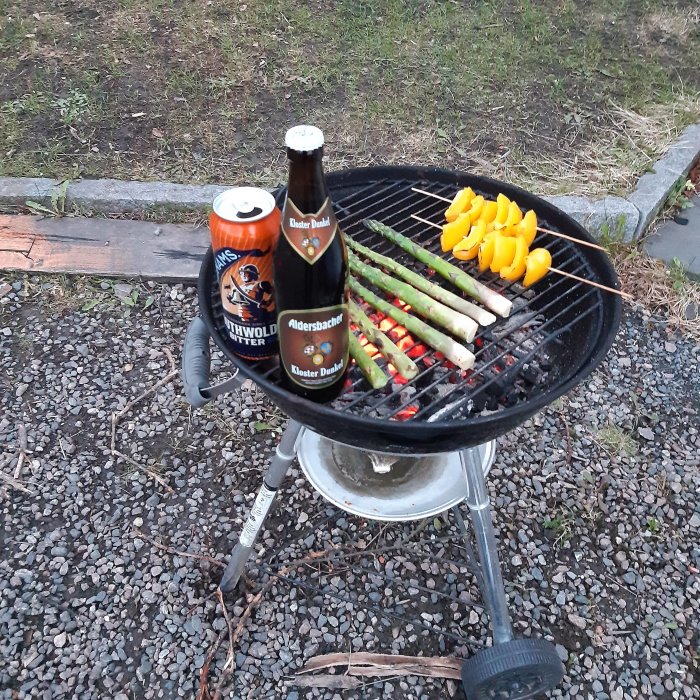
514,670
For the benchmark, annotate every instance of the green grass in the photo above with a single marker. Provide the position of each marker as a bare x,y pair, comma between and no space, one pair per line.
554,95
616,440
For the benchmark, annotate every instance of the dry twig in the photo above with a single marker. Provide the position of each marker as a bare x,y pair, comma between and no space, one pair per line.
176,552
22,439
253,602
116,417
366,664
11,481
568,438
328,681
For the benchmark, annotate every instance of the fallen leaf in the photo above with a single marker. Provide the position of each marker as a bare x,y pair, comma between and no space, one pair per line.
157,133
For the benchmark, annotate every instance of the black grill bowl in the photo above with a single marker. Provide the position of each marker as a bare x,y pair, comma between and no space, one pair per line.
579,322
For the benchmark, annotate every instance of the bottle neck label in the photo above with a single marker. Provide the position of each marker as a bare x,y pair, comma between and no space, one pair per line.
314,345
309,234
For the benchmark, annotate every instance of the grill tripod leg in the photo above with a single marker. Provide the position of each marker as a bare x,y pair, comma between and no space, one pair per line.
492,589
282,459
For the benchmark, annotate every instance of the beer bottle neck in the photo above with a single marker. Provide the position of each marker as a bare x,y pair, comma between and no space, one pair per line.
307,184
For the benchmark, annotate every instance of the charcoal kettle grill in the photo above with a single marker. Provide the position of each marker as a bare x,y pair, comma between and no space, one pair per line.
418,448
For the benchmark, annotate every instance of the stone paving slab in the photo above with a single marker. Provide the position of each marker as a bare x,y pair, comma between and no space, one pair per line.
110,196
609,216
112,247
654,187
675,239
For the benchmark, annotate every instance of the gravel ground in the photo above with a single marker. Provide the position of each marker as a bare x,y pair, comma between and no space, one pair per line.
598,531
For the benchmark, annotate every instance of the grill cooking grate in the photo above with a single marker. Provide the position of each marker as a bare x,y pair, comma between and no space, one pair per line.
513,355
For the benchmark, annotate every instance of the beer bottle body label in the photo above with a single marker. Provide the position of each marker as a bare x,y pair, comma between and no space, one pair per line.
314,345
310,235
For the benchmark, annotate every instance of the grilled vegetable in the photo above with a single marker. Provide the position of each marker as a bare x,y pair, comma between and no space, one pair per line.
459,204
458,324
488,213
502,207
450,348
481,316
405,366
537,265
492,300
477,204
516,269
503,252
515,216
468,248
527,228
371,370
455,231
486,250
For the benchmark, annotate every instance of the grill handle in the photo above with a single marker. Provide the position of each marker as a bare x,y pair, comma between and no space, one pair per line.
196,363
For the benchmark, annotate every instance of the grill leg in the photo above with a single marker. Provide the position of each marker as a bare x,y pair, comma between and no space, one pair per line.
282,459
492,589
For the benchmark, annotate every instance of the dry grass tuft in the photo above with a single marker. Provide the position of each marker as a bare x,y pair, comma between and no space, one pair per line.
663,290
673,22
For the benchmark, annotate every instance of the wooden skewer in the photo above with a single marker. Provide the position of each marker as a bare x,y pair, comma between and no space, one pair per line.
551,269
539,228
591,282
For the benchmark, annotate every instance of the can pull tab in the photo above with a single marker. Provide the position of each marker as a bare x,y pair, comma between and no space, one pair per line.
245,209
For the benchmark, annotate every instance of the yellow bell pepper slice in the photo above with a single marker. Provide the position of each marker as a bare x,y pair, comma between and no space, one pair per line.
510,231
503,253
459,204
502,207
537,266
517,268
476,235
515,216
477,204
486,252
454,232
465,253
468,248
527,228
488,213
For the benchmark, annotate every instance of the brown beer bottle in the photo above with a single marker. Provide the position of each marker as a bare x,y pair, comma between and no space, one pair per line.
310,270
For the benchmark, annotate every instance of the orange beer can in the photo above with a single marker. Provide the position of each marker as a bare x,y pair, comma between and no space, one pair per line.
244,226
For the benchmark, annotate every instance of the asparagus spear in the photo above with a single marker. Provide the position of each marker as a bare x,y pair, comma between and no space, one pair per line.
451,349
481,316
456,323
405,366
372,371
494,301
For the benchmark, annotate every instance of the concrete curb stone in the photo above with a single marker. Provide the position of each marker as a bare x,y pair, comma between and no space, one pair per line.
654,187
110,196
621,219
612,217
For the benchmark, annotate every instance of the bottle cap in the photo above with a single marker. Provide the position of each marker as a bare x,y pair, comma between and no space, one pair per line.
304,138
